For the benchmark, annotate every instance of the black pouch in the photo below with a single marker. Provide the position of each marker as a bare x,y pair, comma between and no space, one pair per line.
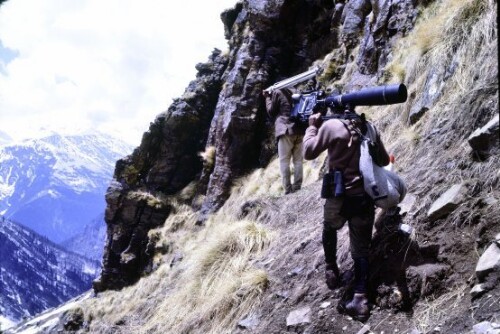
326,186
356,206
333,185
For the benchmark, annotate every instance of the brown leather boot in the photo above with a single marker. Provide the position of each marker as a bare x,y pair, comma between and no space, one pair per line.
358,307
332,276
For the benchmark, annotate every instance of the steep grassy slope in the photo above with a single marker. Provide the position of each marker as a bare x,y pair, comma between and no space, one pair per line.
260,257
269,262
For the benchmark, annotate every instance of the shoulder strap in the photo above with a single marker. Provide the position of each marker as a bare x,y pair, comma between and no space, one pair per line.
371,133
353,129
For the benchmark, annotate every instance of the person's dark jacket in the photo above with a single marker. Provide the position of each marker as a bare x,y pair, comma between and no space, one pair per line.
279,105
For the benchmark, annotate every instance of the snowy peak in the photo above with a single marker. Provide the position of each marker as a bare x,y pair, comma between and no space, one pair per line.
79,161
56,185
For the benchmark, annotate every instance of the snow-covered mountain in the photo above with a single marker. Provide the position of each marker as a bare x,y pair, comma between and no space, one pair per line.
56,185
36,274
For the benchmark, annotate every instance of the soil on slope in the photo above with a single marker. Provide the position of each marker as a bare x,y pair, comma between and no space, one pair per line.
419,283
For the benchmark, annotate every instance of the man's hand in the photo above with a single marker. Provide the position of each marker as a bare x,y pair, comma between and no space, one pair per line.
266,93
315,120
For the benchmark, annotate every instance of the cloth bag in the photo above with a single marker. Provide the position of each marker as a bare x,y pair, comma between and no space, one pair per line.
386,188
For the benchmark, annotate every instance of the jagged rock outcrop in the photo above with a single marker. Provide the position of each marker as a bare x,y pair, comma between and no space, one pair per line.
268,40
223,111
165,162
278,38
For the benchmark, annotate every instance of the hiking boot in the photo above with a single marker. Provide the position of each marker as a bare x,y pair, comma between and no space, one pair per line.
358,307
332,276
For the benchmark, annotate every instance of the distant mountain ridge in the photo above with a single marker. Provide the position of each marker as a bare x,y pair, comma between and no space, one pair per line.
56,185
36,274
90,242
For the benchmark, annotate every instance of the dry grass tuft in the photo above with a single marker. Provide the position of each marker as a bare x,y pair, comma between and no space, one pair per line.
441,30
431,313
219,284
214,285
266,182
188,192
208,155
182,216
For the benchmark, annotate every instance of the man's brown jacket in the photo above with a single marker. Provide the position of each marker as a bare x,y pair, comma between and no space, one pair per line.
278,106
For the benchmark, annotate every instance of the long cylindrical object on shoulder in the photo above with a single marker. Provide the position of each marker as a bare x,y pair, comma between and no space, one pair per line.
292,81
373,96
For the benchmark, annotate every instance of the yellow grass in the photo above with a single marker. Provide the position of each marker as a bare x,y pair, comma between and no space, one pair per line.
208,155
215,284
431,313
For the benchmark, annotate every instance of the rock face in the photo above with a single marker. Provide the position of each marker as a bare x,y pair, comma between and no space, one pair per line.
165,162
268,40
223,111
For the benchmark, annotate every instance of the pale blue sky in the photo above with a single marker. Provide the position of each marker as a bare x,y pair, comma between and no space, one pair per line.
6,56
111,65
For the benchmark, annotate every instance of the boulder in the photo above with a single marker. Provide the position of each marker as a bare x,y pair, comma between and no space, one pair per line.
407,204
486,327
447,202
477,291
430,93
299,316
250,322
73,319
483,138
488,262
427,279
325,304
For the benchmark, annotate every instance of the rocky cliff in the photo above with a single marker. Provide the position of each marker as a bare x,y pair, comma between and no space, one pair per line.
190,179
222,111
